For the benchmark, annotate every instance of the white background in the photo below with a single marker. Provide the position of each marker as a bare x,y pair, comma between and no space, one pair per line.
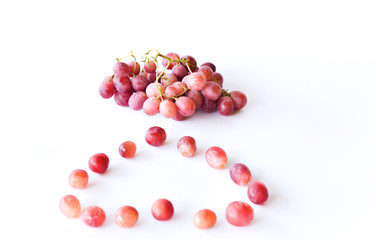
308,130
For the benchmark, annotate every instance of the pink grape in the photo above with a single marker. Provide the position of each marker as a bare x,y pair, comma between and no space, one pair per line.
240,174
134,68
209,64
70,206
196,81
196,96
179,117
151,106
204,219
239,98
93,216
225,106
155,136
171,91
206,71
152,90
257,192
209,106
192,63
136,101
179,71
211,91
187,146
150,66
151,77
185,105
167,79
107,88
216,157
127,149
122,84
168,108
126,217
139,83
162,210
121,69
98,163
122,98
78,179
218,78
239,213
173,56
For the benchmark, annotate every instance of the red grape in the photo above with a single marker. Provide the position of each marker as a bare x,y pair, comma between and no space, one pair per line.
167,79
126,217
257,192
151,77
211,91
70,206
162,210
93,216
216,157
209,106
121,69
155,136
107,88
122,84
122,98
209,64
127,149
240,174
139,83
179,71
135,69
99,162
168,108
239,213
173,56
150,66
195,81
196,96
187,146
204,219
239,99
78,179
225,106
151,106
185,105
179,117
152,90
192,63
206,71
136,101
218,78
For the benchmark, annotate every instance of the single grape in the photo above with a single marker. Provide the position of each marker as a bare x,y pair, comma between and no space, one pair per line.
162,210
136,101
240,174
209,64
168,108
192,63
225,106
70,206
257,192
154,89
121,69
173,56
151,77
151,106
239,98
218,78
171,91
239,213
126,217
196,96
78,179
179,117
206,71
150,66
127,149
167,79
155,136
139,83
204,219
107,88
122,84
187,146
185,105
99,162
209,106
134,68
195,81
179,71
216,157
122,98
93,216
211,91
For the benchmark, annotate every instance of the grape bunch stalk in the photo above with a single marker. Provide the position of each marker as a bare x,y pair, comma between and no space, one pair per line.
177,91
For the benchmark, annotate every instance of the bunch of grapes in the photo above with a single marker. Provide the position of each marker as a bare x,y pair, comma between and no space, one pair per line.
176,92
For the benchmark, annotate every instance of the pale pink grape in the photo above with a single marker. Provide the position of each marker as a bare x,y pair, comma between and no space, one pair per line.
168,108
187,146
136,101
211,91
195,81
196,96
121,69
151,106
206,71
70,206
185,105
153,89
107,88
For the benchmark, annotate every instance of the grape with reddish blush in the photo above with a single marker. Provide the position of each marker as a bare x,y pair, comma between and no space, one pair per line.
239,99
187,146
155,136
257,192
209,106
121,69
173,56
78,179
218,78
240,174
122,84
126,217
162,210
225,106
151,106
195,81
211,91
70,206
239,213
179,71
127,149
192,63
98,163
206,71
216,157
122,98
134,68
168,108
150,66
204,219
93,216
139,83
186,106
209,64
137,99
107,88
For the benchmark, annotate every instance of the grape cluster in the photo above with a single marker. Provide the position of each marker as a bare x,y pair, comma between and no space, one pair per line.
177,92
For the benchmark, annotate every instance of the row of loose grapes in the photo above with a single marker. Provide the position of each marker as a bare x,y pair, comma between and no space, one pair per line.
238,213
177,92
